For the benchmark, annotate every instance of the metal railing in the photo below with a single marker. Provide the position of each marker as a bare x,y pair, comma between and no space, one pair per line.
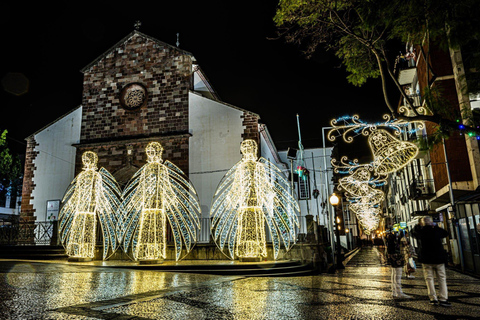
28,233
421,189
416,99
46,233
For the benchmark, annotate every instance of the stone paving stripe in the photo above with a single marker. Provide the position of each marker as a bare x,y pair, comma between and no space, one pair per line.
212,311
98,307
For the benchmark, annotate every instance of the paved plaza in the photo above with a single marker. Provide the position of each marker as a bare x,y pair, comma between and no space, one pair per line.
60,290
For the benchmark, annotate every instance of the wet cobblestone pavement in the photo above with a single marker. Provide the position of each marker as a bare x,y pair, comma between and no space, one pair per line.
34,290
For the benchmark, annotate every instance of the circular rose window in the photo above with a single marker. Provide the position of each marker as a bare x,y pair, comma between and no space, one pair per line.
133,96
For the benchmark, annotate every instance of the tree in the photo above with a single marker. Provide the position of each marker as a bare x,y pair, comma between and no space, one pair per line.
10,168
360,33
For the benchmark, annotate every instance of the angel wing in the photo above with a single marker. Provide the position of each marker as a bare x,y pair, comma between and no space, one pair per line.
109,198
182,209
129,211
281,213
224,212
67,212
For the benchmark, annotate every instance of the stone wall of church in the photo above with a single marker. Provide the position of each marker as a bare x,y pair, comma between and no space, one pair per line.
250,123
123,158
110,128
27,209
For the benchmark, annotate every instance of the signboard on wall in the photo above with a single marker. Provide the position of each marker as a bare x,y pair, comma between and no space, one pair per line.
53,208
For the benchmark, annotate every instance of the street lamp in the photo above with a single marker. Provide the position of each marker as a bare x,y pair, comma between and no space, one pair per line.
334,201
327,191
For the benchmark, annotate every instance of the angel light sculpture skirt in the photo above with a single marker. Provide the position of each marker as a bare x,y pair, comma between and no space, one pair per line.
151,238
251,233
82,239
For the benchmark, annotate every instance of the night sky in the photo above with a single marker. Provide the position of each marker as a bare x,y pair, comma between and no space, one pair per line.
233,42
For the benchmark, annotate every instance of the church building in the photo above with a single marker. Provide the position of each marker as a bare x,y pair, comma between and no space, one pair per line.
141,90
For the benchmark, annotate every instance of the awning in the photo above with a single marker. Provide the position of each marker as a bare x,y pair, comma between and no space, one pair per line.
424,213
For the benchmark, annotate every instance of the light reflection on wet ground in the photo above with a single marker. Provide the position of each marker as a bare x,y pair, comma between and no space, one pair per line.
361,291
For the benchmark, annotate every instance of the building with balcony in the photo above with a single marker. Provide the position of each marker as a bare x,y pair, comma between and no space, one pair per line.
444,181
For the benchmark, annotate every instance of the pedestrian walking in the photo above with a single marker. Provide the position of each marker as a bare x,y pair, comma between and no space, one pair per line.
408,252
433,257
396,259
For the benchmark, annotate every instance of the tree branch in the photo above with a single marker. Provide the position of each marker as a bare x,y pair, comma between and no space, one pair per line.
384,83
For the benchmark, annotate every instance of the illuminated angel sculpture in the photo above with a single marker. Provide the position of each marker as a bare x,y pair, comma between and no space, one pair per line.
157,199
93,195
251,194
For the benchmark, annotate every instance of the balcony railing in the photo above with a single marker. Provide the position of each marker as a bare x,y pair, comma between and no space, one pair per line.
421,189
416,100
404,68
404,61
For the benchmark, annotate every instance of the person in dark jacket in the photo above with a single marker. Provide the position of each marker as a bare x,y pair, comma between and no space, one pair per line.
395,242
433,257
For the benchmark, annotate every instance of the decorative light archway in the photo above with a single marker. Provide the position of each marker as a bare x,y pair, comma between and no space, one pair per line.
389,155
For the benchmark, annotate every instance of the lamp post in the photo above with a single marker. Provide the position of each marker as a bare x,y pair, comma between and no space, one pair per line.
330,218
334,201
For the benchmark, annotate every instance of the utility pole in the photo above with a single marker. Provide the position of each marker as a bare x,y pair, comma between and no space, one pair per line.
452,218
300,163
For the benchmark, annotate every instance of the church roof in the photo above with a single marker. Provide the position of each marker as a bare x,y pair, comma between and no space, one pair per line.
53,122
226,104
130,35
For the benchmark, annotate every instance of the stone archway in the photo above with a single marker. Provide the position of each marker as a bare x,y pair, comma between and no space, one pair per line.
124,174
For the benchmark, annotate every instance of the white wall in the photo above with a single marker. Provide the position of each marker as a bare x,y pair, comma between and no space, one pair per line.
266,152
269,152
55,161
316,167
214,146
